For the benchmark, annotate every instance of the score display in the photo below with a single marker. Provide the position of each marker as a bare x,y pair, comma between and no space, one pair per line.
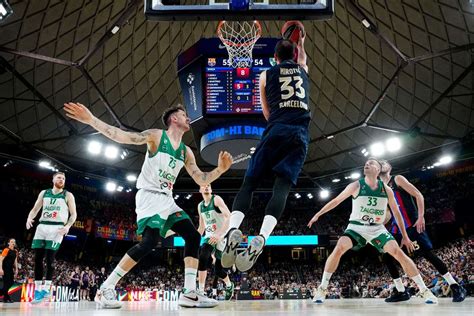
230,90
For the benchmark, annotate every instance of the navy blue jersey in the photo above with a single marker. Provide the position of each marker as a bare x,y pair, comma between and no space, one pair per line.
287,92
406,204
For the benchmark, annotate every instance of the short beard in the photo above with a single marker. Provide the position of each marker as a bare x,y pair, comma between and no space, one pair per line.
58,187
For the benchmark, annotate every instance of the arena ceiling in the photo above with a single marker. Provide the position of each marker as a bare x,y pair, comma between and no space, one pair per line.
52,52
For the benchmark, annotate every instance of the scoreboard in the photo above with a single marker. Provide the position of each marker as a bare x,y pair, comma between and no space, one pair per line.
222,102
230,90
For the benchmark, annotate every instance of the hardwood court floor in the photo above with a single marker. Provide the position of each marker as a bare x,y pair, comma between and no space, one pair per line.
414,307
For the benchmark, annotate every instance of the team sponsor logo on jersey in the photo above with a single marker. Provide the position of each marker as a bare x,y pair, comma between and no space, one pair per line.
166,175
50,215
373,211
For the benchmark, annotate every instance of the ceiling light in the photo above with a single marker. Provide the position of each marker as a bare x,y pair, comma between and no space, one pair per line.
377,149
355,175
297,195
111,152
45,164
5,10
393,144
120,188
94,147
446,160
111,186
336,180
309,195
324,194
131,177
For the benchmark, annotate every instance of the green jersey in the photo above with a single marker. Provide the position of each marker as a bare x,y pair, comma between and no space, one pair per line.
160,169
213,219
370,206
55,208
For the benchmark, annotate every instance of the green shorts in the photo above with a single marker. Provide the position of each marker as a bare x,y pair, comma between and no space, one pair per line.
361,235
164,226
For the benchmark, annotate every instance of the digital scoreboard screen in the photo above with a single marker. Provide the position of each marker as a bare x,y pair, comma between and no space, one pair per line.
229,90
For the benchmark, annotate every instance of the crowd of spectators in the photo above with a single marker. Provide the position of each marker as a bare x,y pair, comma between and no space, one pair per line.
356,277
117,210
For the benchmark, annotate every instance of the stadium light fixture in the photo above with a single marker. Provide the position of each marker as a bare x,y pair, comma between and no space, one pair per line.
94,147
111,152
355,175
324,194
5,10
297,195
445,160
119,188
310,196
377,149
131,177
336,180
111,186
393,144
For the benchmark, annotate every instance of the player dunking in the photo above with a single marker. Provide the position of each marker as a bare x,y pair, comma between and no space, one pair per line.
281,152
157,213
413,215
369,206
58,215
214,222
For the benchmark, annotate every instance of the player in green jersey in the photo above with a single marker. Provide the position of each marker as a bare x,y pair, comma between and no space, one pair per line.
369,206
58,214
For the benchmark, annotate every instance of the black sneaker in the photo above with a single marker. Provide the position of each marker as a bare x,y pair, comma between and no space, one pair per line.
459,293
398,296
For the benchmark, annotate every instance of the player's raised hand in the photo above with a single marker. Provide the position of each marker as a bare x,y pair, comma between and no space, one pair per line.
225,161
78,112
408,244
420,225
29,222
313,220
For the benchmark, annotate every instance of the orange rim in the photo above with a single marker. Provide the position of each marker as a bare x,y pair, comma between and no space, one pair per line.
230,43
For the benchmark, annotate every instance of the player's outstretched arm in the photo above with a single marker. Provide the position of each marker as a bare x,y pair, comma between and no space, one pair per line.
302,53
263,95
71,203
398,217
203,178
220,204
351,189
202,225
80,113
35,210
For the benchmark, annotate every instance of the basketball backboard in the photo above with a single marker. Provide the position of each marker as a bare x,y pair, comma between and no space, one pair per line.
218,10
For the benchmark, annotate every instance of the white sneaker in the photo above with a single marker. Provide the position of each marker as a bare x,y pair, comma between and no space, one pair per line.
247,259
320,295
196,299
107,298
429,297
233,241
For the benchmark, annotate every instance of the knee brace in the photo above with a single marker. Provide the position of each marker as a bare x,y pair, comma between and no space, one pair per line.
150,238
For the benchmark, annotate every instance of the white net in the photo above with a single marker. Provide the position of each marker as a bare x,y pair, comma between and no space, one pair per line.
239,37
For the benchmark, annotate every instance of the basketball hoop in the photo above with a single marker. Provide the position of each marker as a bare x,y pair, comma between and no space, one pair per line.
239,38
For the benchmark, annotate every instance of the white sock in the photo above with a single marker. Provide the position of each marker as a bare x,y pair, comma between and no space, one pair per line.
190,279
449,278
419,282
47,285
236,218
202,287
38,285
269,223
227,283
114,277
399,285
325,280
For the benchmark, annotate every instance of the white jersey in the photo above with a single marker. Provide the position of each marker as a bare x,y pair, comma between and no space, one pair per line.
55,208
370,206
160,169
213,219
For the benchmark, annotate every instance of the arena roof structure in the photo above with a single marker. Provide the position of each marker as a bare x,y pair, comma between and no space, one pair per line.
377,68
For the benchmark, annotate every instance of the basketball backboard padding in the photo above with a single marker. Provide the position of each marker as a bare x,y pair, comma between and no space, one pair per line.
318,10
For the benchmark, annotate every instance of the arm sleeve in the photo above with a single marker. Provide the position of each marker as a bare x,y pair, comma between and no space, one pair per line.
5,252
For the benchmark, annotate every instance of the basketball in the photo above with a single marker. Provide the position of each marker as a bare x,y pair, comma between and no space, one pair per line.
292,30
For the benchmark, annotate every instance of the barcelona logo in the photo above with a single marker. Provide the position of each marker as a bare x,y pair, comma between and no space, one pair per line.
211,62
